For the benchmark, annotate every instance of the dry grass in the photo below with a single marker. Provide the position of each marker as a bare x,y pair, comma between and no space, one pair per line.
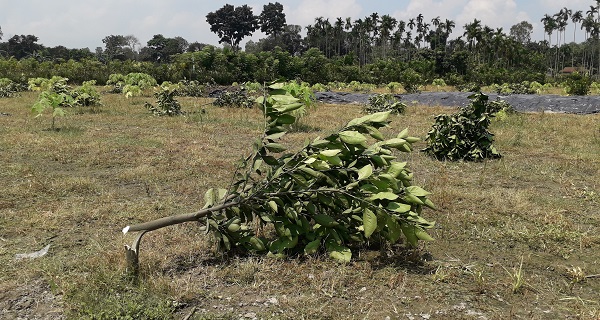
77,187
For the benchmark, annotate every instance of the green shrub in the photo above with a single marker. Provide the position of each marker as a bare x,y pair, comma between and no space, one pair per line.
9,88
411,80
86,95
394,86
384,102
133,84
595,87
233,99
187,88
464,135
166,105
468,87
578,84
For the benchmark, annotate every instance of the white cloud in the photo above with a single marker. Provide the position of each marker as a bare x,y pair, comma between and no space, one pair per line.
307,10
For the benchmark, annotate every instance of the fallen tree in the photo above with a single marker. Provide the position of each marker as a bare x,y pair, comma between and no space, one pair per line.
333,194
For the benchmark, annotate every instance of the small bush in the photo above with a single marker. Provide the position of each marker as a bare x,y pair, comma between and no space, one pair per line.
394,86
469,87
132,84
233,99
384,102
9,88
464,135
86,95
578,84
411,80
191,88
166,105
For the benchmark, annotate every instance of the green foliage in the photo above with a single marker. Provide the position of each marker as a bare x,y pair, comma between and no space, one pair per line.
86,95
411,80
131,84
385,102
166,104
9,88
55,84
301,91
233,99
357,86
55,101
524,87
393,86
468,87
333,195
595,87
319,87
252,87
578,84
464,135
187,88
438,82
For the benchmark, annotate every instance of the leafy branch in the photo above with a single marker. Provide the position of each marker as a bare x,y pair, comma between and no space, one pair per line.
332,195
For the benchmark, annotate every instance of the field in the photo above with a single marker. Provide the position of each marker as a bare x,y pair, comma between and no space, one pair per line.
516,238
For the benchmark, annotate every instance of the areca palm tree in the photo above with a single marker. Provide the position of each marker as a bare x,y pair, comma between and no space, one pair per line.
388,24
576,17
549,27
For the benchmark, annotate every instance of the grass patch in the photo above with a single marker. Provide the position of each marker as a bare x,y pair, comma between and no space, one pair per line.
527,223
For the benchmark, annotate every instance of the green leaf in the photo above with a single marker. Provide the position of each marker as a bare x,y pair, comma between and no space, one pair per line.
273,205
378,117
422,235
395,143
352,137
417,191
58,112
325,220
330,153
312,247
403,134
396,168
384,196
365,172
373,132
399,207
369,222
394,230
409,233
288,107
275,147
275,136
338,252
286,119
410,198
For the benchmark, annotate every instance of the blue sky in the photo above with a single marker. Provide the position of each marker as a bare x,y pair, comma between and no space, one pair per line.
80,24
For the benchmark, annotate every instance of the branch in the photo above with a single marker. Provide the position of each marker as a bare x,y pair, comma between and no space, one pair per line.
177,219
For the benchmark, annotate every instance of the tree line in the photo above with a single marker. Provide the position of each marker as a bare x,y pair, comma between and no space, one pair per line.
377,49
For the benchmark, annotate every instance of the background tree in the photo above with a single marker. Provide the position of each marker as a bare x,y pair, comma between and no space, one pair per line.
23,46
232,24
114,47
272,19
160,48
521,32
